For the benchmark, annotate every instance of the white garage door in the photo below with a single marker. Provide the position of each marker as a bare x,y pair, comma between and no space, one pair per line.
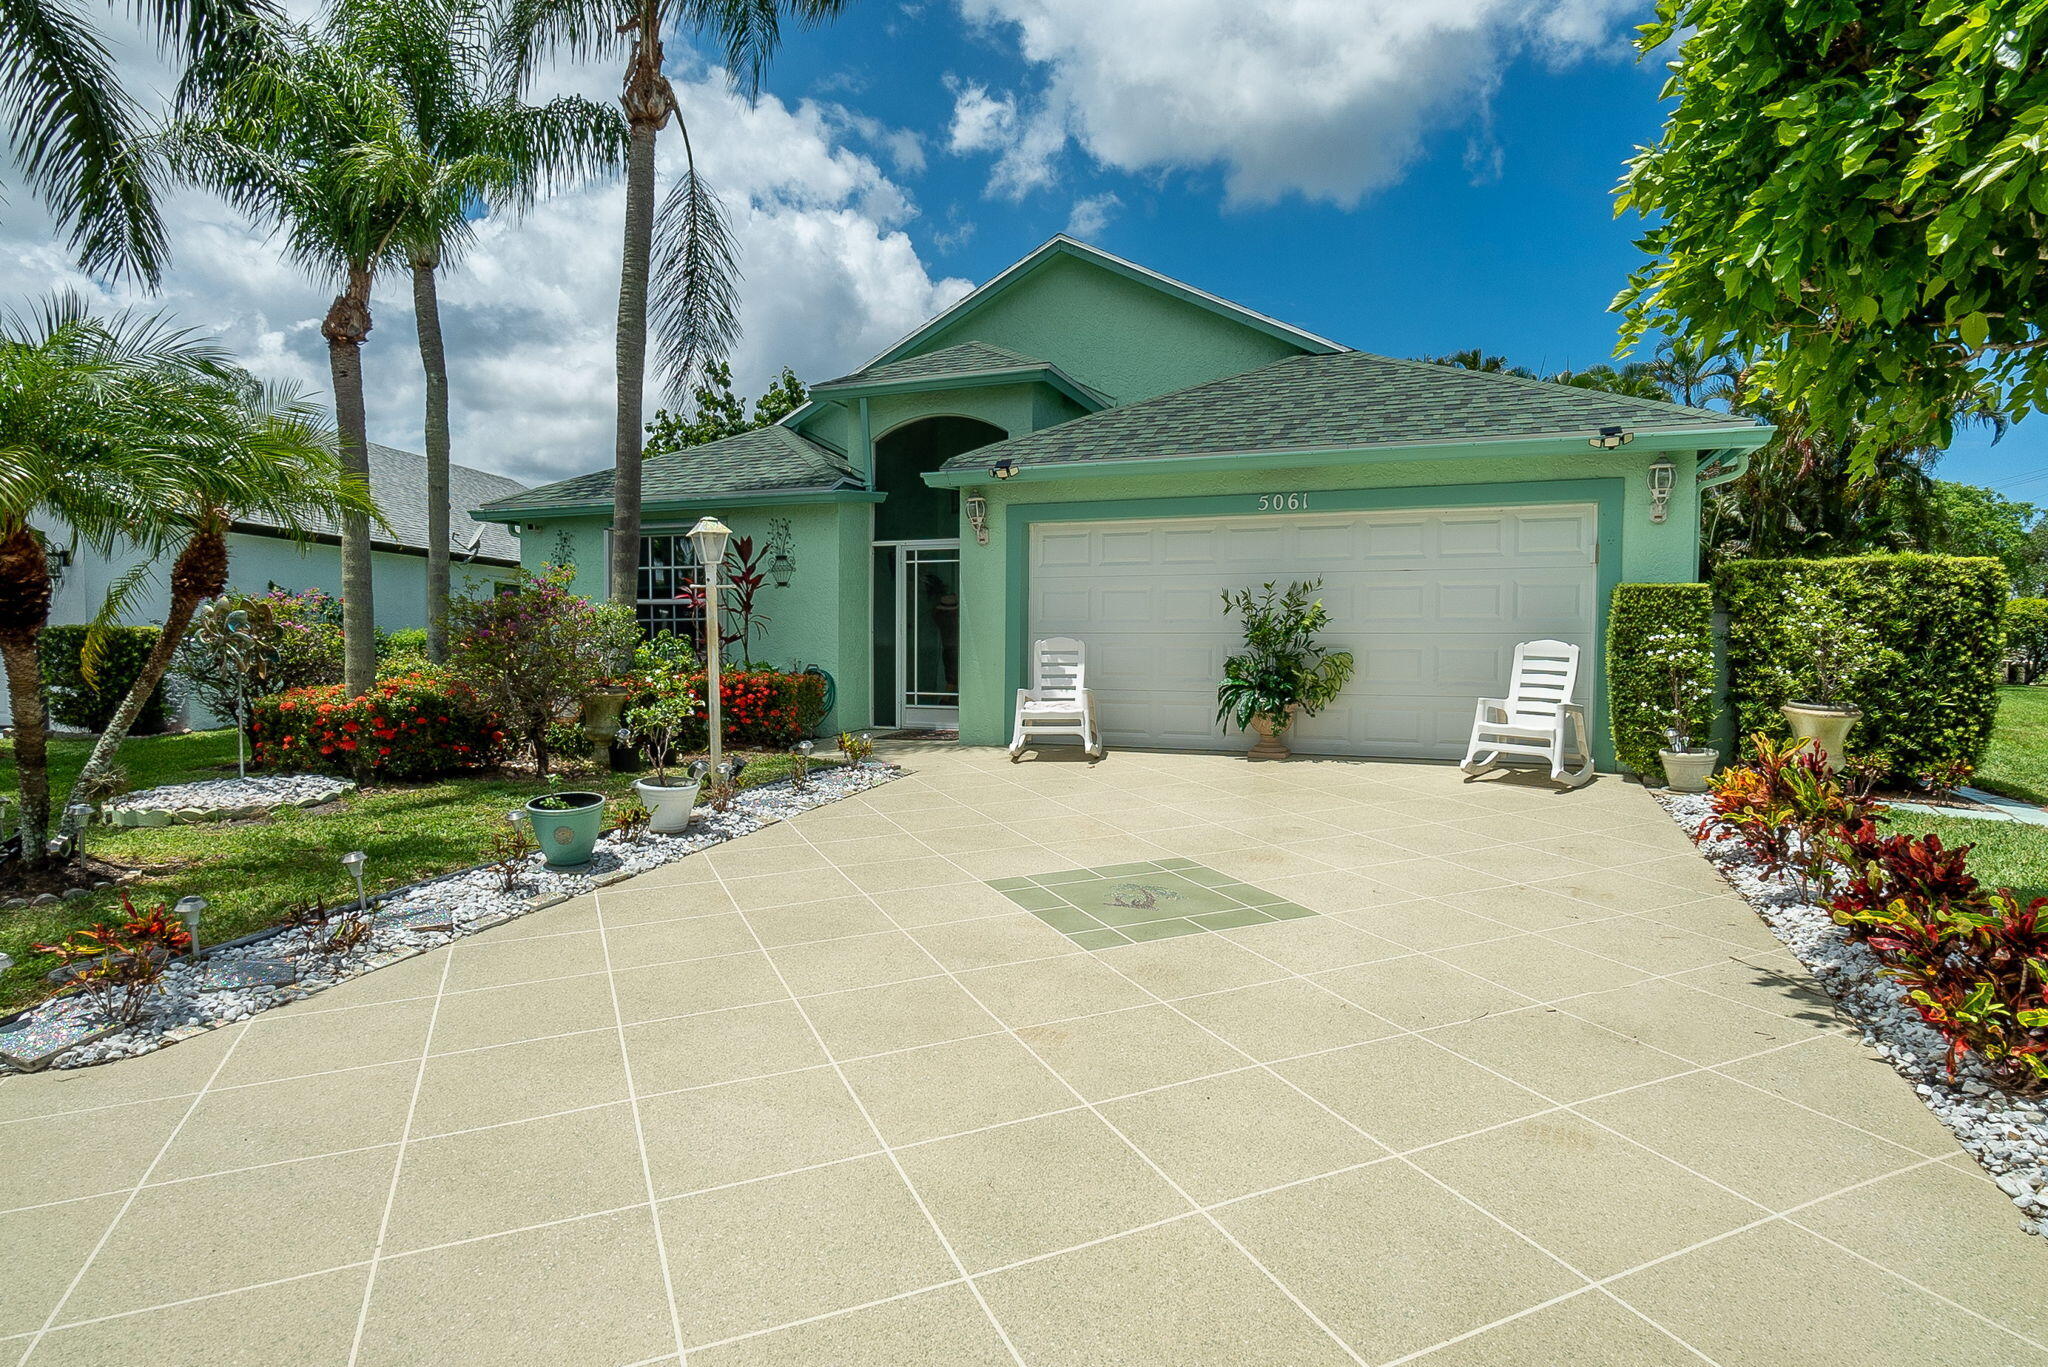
1431,601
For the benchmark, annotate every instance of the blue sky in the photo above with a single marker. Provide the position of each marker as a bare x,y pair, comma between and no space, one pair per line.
1499,235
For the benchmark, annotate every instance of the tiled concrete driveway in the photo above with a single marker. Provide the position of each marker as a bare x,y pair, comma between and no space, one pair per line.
1528,1087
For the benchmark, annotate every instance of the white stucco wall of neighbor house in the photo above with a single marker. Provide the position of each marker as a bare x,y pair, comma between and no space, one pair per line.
255,564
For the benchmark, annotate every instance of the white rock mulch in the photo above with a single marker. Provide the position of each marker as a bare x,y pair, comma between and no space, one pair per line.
475,899
2007,1133
218,799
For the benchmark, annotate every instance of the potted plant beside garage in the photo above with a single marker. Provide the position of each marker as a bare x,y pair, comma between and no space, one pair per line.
1283,671
1823,660
1688,666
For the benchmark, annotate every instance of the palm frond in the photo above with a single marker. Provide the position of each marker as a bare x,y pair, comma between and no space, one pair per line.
750,31
532,30
693,296
74,133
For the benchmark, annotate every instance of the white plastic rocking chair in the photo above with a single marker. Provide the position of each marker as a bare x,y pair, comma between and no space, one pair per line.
1535,716
1058,702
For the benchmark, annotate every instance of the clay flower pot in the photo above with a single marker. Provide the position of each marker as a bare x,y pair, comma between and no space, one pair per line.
1269,745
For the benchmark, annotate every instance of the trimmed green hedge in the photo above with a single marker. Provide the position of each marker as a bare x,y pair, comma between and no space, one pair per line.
1942,614
90,706
1638,684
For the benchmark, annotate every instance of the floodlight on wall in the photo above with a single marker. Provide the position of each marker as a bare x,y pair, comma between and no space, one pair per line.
977,518
1610,438
1004,469
1663,475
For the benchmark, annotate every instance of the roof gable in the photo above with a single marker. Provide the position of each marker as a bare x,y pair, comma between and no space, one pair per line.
1347,401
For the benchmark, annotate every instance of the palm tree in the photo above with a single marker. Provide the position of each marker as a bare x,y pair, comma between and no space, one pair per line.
462,114
1636,380
74,132
318,141
682,259
109,426
1693,375
1474,359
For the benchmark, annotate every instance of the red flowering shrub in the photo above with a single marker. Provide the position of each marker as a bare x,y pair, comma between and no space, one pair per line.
408,726
765,709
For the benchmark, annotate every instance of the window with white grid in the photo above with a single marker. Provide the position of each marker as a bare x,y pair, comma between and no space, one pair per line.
668,569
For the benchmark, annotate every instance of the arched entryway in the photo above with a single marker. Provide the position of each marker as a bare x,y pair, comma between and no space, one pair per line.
917,571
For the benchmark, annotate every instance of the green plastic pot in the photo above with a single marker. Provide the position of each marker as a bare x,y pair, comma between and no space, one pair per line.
567,834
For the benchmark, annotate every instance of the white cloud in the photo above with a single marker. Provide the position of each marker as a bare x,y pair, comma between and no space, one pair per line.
1091,215
1328,99
830,278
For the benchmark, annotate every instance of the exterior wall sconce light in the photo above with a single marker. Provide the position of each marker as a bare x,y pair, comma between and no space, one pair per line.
977,518
1610,438
1004,469
1663,474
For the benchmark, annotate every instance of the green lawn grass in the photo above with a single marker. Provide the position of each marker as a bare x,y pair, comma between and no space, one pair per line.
2007,854
2016,764
252,873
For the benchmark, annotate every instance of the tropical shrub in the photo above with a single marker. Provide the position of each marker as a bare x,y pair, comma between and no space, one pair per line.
300,640
401,651
764,709
120,968
1788,808
1660,669
1916,873
90,703
1283,666
533,652
412,726
1932,624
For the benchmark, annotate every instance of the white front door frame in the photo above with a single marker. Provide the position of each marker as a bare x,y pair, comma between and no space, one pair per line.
911,715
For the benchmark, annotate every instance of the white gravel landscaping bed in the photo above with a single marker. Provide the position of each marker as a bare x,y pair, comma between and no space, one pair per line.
220,799
2008,1134
470,900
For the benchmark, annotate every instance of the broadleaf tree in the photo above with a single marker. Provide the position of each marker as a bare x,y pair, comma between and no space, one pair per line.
1856,196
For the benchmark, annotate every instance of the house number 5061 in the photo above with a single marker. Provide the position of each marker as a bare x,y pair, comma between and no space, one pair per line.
1282,503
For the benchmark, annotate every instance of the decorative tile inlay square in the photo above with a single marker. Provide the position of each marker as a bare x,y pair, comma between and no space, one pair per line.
1126,903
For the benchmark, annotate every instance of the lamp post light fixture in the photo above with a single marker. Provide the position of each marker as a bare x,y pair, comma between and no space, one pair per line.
1663,475
189,910
353,861
708,538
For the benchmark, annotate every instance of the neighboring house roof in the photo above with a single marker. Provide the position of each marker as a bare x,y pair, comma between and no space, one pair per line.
398,482
1341,401
770,459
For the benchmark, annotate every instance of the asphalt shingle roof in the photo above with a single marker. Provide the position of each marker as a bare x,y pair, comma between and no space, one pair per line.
1348,399
398,481
967,358
764,460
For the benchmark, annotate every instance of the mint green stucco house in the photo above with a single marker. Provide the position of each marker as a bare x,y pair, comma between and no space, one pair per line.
1083,447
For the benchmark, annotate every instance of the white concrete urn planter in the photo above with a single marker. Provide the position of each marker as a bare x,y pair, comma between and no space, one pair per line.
1269,745
1827,727
668,806
1687,771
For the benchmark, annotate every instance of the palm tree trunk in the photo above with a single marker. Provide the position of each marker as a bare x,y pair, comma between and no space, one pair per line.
24,611
625,566
434,361
346,325
200,573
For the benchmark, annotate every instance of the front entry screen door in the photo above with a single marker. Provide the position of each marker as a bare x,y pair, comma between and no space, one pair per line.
928,633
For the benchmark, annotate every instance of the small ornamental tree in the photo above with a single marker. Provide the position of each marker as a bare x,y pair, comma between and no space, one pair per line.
532,652
2026,634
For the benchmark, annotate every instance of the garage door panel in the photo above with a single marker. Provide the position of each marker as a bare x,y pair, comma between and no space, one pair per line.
1432,604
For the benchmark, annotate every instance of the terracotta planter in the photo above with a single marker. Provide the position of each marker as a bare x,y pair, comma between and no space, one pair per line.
1687,771
1269,744
1827,727
668,805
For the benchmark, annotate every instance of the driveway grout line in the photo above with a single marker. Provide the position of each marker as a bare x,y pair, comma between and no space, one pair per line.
133,1192
397,1171
895,1162
1178,1189
668,1285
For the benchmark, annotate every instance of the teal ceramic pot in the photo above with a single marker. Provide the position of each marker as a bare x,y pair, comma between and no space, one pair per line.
567,834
